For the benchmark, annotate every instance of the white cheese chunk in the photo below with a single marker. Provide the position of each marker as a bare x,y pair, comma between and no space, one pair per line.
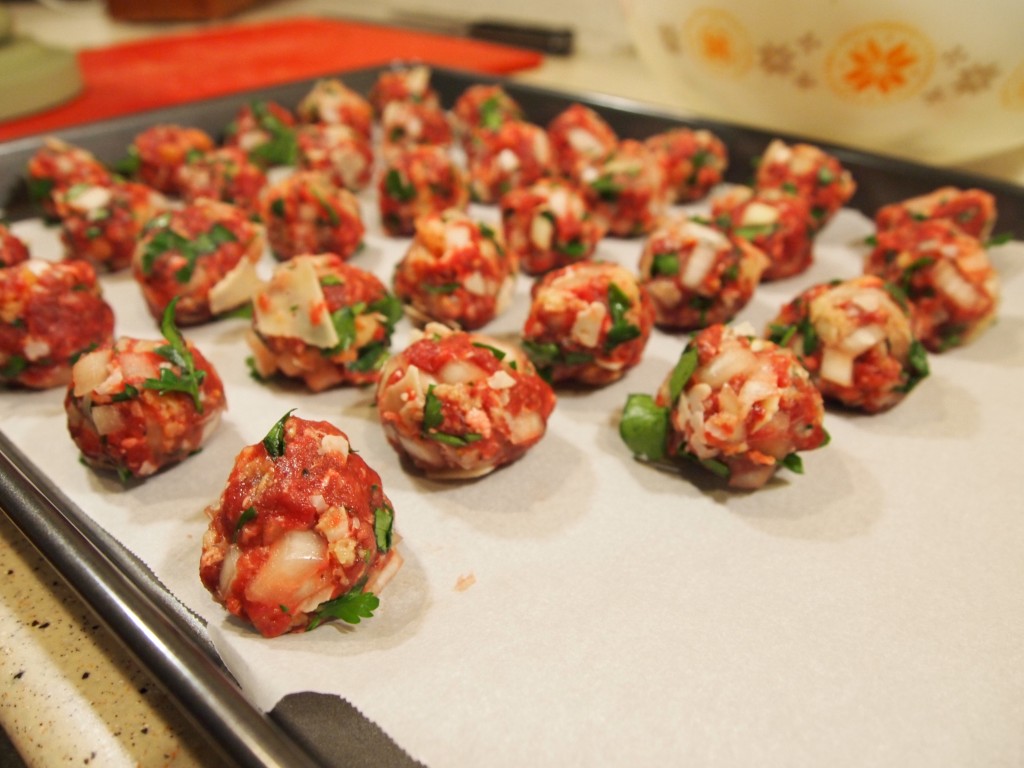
295,307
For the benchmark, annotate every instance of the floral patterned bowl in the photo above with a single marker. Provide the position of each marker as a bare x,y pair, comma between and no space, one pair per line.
910,79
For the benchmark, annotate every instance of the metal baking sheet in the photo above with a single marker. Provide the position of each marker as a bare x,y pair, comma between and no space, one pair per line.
313,729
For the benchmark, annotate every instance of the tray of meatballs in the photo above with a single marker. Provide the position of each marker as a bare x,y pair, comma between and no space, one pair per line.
536,426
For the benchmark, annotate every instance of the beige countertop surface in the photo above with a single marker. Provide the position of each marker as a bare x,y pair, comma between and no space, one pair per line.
70,695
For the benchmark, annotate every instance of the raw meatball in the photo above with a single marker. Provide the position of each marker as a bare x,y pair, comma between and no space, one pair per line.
306,213
12,248
739,406
946,275
855,340
322,321
101,224
331,101
694,161
265,131
137,405
776,223
579,138
204,255
301,534
403,84
339,152
515,155
626,189
549,225
161,150
481,109
50,313
809,172
407,124
456,271
458,405
57,165
226,174
697,276
419,181
973,210
588,323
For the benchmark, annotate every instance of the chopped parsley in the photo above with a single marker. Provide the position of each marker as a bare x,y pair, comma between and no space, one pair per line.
793,463
383,521
246,516
916,367
665,264
606,188
398,188
622,330
167,240
644,427
433,418
186,378
491,114
274,441
351,608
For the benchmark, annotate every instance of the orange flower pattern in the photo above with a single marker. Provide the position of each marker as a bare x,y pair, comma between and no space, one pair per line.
879,63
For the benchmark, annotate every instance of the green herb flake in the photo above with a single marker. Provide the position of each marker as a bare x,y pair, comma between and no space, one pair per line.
606,188
498,353
351,608
246,516
432,415
781,334
681,374
383,521
644,427
491,114
186,378
128,393
442,288
665,264
274,441
1001,239
917,366
793,463
397,188
622,330
14,366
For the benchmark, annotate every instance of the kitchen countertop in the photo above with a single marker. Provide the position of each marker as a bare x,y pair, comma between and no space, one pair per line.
69,692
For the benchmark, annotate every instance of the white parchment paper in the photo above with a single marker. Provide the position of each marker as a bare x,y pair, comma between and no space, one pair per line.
581,608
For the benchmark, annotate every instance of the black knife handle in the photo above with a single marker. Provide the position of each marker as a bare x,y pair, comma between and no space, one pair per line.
553,40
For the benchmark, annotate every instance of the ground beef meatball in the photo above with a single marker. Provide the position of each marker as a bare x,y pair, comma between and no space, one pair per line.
322,321
696,275
458,405
515,155
480,109
331,101
694,161
158,152
973,210
265,131
809,172
407,124
203,254
739,406
776,223
946,275
418,181
579,137
456,271
50,314
403,84
626,189
855,340
57,165
302,533
137,405
13,249
306,213
101,223
588,323
339,152
549,225
226,174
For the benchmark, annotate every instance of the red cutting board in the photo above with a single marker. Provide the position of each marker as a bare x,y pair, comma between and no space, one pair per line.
161,72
